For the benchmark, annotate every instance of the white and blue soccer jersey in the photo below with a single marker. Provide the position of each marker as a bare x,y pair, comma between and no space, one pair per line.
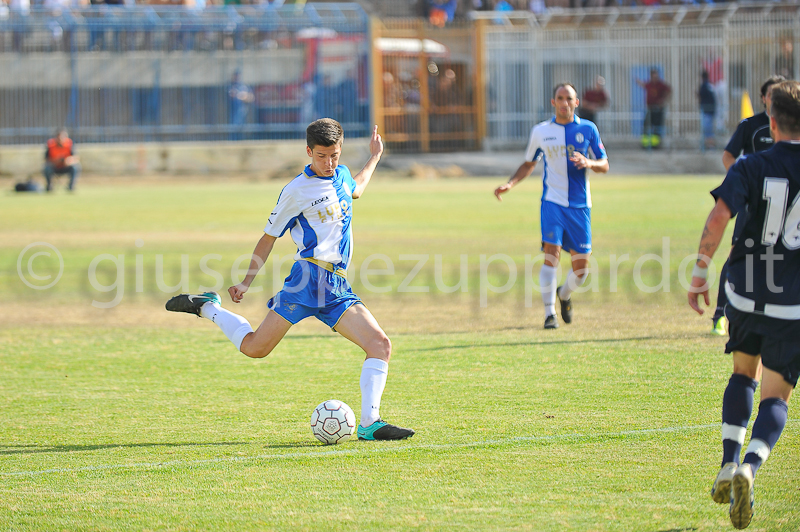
564,184
317,212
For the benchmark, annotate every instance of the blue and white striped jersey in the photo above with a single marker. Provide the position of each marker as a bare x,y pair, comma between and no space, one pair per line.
564,184
317,211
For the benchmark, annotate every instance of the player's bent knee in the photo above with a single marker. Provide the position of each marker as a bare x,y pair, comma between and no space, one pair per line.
382,348
255,351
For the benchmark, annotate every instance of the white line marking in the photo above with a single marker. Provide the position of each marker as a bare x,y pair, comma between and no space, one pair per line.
351,452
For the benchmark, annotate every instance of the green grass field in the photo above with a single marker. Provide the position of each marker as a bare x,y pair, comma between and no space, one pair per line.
117,415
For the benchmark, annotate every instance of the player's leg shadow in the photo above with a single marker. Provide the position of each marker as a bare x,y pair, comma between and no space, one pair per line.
544,342
42,449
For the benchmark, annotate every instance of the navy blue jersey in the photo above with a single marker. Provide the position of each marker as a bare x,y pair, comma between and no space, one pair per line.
764,267
751,136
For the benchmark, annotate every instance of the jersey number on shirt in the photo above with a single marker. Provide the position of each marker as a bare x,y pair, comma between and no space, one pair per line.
778,221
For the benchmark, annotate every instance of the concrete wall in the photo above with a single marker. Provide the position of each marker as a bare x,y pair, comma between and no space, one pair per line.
272,159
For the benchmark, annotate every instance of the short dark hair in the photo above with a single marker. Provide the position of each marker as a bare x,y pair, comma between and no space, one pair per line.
564,84
324,132
772,80
786,107
704,75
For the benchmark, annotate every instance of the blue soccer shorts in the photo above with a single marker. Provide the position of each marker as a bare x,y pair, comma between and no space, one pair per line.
567,227
310,290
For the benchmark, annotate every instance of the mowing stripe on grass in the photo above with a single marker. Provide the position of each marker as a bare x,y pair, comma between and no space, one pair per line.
364,451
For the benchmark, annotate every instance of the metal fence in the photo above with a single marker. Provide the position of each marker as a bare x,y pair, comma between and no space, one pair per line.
121,74
144,73
739,45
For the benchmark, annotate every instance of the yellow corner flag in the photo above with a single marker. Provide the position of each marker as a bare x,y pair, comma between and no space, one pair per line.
747,106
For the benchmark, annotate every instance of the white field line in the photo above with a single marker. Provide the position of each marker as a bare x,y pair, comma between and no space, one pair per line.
364,450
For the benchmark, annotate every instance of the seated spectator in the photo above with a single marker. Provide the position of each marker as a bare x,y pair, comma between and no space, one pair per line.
440,12
60,158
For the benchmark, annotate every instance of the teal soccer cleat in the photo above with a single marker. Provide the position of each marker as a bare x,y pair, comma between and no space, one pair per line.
381,430
192,303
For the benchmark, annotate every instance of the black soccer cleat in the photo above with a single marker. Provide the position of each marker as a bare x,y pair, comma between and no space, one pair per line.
381,430
566,308
551,322
191,303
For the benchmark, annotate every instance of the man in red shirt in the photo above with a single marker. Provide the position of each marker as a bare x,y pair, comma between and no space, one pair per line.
60,158
657,93
594,99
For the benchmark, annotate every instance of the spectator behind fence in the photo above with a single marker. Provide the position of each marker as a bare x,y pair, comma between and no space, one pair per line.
784,63
60,158
657,94
708,108
440,12
240,97
594,99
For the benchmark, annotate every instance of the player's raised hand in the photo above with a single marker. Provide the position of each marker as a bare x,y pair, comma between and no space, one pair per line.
237,292
375,143
699,286
502,189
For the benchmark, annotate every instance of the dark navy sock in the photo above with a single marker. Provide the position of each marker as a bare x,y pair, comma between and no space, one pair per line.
722,297
737,405
772,415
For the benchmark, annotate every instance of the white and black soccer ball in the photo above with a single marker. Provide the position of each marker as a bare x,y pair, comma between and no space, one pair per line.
333,422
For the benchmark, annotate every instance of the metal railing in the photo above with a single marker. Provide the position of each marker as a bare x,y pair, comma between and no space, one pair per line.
739,45
143,73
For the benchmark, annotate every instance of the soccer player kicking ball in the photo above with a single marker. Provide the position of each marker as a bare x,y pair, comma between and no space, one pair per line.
570,145
763,289
316,209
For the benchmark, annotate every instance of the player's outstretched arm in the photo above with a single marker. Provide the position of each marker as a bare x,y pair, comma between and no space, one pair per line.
522,172
259,258
376,150
712,235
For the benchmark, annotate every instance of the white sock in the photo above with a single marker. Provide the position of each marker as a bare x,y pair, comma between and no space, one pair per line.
547,282
373,380
234,326
573,282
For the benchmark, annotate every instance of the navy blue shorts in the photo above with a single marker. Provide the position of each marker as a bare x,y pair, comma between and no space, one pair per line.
310,290
778,354
567,227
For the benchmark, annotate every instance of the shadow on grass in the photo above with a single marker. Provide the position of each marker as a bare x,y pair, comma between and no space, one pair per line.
688,529
34,449
543,342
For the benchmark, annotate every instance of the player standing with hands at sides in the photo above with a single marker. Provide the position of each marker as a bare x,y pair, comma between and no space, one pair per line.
316,208
763,288
752,135
570,145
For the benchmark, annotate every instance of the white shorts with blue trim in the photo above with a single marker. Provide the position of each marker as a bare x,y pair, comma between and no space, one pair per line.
567,227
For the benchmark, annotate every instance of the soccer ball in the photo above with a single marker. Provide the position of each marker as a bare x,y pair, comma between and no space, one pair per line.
333,422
